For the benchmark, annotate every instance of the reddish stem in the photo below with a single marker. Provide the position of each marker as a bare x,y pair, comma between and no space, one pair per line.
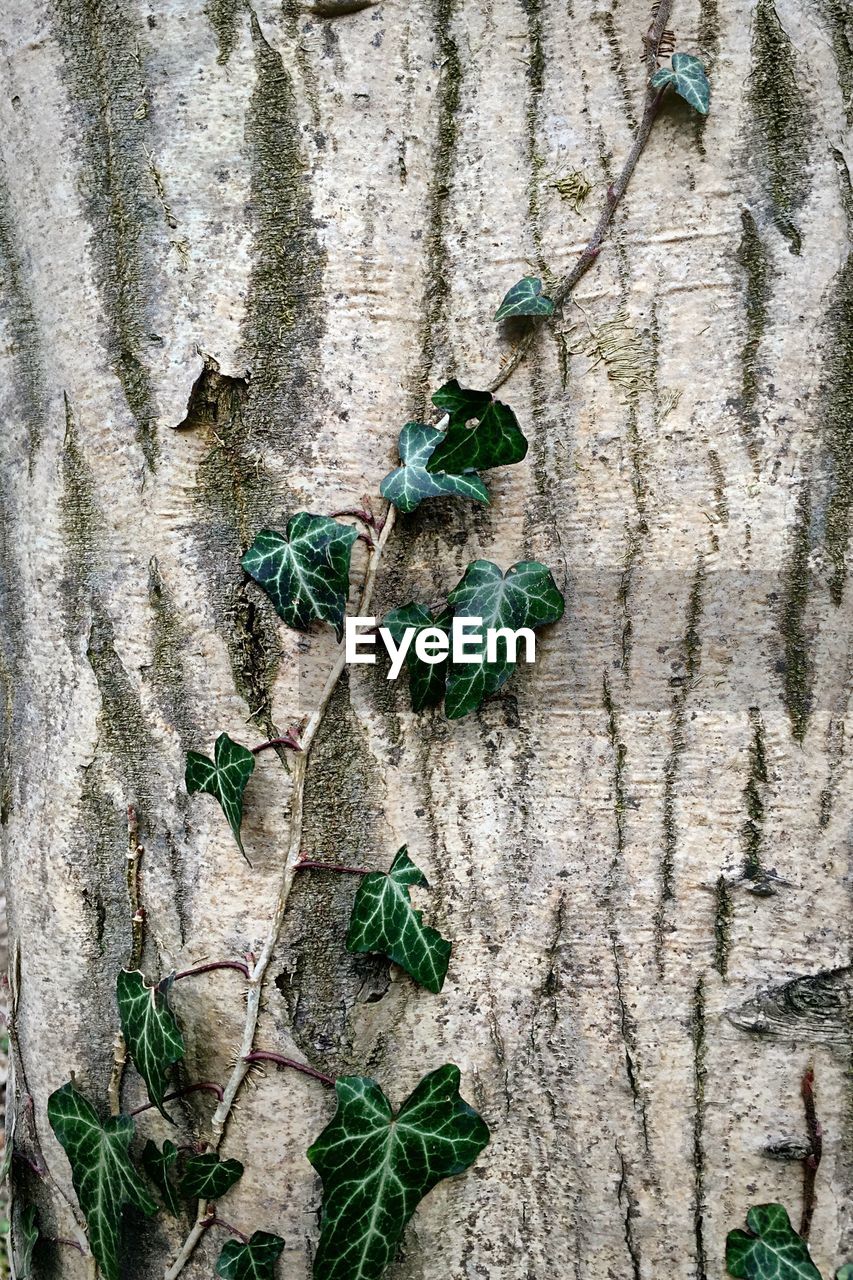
207,1086
266,1055
366,517
812,1160
289,740
72,1244
209,967
310,864
215,1221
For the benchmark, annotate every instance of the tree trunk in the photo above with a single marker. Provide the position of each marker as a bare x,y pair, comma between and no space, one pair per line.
240,247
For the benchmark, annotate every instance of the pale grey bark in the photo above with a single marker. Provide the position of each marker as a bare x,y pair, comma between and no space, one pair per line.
638,838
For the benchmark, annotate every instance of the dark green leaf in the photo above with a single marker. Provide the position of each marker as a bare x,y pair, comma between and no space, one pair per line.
152,1035
426,679
207,1177
412,482
526,596
462,403
103,1175
224,777
384,920
26,1238
770,1249
525,299
495,441
376,1167
305,573
688,79
254,1260
157,1165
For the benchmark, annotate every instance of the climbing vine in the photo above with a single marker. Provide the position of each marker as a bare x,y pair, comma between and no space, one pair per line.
375,1163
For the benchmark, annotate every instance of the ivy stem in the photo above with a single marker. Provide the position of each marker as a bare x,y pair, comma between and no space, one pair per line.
240,965
289,740
615,192
257,974
812,1160
310,864
71,1244
213,1220
202,1085
266,1055
383,531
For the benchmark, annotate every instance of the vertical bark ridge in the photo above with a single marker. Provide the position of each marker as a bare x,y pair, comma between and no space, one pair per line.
754,870
691,655
836,15
838,426
225,17
24,329
105,67
781,120
754,261
797,661
436,268
628,1027
617,65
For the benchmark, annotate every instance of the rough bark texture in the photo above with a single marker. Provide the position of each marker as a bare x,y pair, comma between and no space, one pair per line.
645,838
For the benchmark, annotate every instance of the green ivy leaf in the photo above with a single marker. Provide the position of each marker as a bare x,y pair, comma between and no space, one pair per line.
305,573
770,1249
688,79
426,680
224,777
103,1175
376,1166
384,920
157,1165
461,403
206,1177
254,1260
153,1037
525,299
845,1272
412,482
526,596
497,440
26,1239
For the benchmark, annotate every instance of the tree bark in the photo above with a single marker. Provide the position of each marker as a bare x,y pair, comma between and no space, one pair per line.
240,247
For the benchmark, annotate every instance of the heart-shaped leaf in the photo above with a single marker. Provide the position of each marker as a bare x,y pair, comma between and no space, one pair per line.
157,1165
305,573
412,482
770,1249
102,1172
225,777
206,1177
26,1238
688,79
253,1260
153,1038
384,920
525,299
376,1166
495,440
426,679
526,596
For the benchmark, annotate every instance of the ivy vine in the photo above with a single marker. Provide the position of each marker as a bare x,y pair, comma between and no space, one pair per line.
375,1163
